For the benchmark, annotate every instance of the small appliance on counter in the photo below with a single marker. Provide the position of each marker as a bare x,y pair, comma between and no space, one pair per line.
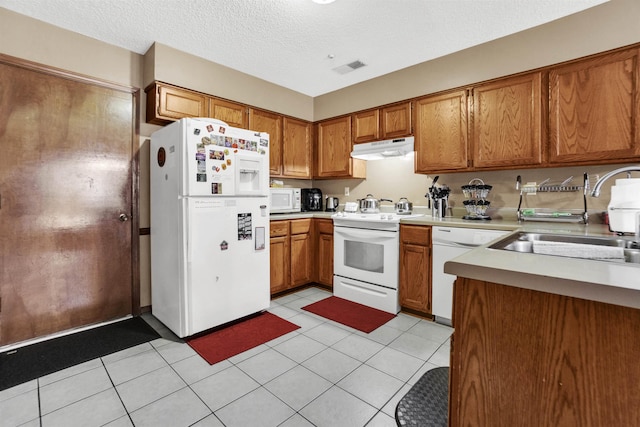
311,200
624,206
284,200
331,204
351,207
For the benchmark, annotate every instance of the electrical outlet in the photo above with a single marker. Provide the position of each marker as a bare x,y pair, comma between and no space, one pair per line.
346,191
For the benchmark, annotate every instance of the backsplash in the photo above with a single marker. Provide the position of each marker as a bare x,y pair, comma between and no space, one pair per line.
394,178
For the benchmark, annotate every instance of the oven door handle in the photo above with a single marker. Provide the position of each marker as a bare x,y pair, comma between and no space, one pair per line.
365,235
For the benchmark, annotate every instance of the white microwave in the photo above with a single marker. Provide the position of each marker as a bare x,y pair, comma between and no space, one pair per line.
284,200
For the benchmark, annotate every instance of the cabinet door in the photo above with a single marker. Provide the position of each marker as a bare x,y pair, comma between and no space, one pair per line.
415,289
507,123
366,126
441,132
264,121
300,259
229,112
325,259
166,104
333,150
296,148
396,120
279,256
415,268
594,109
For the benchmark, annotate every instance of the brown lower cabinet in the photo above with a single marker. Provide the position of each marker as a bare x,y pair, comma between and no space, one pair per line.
291,248
526,358
324,254
415,268
301,253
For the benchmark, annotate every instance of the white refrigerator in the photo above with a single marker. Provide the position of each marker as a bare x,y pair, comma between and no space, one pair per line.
209,189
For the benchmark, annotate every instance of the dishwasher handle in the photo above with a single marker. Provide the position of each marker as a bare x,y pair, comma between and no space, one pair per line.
468,238
454,244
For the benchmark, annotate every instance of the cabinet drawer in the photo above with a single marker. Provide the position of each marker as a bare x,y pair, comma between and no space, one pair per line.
325,226
300,226
279,228
416,234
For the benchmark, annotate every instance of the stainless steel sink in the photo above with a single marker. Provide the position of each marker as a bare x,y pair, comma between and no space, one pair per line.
524,242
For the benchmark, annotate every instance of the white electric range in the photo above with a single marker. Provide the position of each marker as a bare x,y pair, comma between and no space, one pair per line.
366,258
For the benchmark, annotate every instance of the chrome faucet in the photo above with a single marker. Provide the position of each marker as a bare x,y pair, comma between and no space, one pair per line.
596,188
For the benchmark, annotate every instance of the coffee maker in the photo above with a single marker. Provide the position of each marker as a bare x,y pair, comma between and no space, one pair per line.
311,199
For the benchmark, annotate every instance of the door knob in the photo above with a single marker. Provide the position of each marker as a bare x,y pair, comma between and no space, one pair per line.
123,217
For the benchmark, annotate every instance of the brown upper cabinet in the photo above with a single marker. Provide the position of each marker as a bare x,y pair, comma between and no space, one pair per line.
229,112
508,126
166,103
265,121
497,125
393,121
585,111
441,135
366,126
594,107
289,143
333,150
296,148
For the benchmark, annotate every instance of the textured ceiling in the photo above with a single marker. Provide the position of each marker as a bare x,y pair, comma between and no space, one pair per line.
289,42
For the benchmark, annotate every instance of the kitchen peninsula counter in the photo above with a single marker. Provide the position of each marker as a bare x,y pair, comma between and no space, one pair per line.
544,340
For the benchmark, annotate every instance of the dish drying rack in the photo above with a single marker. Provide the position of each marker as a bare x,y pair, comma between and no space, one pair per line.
546,187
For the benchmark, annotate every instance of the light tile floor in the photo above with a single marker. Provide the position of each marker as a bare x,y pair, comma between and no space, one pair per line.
323,374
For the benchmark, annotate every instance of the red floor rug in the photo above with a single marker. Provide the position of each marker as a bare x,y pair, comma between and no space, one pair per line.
223,343
357,316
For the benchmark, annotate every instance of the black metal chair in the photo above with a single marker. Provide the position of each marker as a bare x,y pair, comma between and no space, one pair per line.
426,404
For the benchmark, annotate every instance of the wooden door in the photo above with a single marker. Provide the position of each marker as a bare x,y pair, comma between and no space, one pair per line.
507,123
264,121
300,259
324,259
229,112
334,148
395,120
296,148
415,268
300,245
595,109
166,103
279,255
279,277
441,135
366,126
66,177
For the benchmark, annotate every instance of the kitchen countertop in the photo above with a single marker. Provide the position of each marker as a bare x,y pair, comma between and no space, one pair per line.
608,282
603,281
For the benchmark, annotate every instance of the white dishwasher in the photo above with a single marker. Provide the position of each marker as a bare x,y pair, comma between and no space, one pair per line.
448,243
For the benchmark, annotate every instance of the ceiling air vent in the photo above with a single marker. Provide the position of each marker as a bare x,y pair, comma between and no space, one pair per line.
344,69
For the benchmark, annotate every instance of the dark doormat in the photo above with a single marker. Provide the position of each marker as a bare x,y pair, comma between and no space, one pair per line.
43,358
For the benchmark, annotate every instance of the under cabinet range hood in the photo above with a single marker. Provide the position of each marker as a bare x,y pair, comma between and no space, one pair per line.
379,150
